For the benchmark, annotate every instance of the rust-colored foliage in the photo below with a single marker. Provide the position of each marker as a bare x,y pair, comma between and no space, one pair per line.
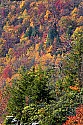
7,72
77,119
74,88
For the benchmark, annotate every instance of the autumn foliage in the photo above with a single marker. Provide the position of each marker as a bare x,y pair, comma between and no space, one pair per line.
39,32
77,119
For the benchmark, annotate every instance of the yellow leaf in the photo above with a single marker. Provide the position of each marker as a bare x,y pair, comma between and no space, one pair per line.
25,13
75,11
22,4
48,12
32,24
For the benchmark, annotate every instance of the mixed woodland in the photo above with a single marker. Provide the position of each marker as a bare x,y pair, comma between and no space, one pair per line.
41,61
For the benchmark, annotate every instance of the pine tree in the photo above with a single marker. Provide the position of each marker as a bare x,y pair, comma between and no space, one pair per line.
32,84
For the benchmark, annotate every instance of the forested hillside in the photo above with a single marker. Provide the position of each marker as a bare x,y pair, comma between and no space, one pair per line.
41,54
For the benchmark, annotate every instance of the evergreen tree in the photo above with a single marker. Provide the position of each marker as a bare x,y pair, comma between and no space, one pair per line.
32,84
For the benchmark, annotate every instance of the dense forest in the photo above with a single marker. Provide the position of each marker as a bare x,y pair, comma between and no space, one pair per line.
41,61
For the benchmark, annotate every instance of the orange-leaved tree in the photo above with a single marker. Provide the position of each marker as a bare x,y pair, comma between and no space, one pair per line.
77,119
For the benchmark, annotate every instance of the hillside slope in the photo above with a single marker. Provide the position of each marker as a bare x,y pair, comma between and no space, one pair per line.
33,33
